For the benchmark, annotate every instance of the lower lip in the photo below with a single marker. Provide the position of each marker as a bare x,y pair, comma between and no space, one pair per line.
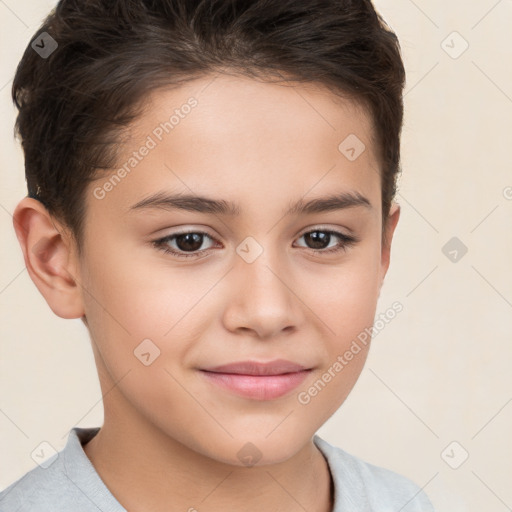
258,387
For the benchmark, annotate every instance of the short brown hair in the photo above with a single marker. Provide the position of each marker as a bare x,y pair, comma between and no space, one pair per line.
111,53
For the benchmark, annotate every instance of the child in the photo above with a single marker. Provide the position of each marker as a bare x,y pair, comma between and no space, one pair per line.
211,191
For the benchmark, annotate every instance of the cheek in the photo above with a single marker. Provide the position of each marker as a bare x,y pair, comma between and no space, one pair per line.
346,303
130,299
346,296
135,291
347,307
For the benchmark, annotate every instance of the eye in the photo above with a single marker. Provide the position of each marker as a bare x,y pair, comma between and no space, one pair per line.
319,241
189,244
185,242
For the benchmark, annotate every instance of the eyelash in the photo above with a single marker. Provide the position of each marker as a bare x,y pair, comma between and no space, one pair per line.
346,242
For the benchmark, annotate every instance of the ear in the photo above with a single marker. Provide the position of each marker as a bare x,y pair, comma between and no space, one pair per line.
50,257
389,229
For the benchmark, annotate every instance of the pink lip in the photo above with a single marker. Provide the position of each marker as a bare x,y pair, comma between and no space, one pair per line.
258,381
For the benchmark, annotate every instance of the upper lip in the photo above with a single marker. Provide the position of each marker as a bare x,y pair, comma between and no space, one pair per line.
276,367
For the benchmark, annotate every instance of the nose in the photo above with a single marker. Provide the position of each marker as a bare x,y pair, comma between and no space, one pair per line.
262,301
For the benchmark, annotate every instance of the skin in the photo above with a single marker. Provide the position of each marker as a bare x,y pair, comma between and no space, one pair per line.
169,435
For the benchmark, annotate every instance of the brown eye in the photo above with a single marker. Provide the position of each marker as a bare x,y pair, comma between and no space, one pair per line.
179,244
317,239
189,241
320,241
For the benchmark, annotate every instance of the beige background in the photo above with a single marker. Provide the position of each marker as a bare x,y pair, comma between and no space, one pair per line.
438,373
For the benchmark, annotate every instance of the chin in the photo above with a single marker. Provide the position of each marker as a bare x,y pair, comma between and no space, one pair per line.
254,451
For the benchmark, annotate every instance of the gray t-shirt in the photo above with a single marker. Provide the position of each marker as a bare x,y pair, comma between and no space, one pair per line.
68,482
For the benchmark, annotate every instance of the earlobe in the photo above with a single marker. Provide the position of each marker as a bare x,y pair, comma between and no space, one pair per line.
49,257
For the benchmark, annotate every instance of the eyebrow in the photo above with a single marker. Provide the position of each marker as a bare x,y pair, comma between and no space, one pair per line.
201,204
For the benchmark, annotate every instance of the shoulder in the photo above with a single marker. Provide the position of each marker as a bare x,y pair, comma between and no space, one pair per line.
38,490
66,481
366,486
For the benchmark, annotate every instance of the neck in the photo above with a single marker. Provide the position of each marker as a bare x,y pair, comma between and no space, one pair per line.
147,470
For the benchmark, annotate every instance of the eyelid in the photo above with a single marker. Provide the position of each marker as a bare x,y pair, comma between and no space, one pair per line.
323,227
190,229
309,229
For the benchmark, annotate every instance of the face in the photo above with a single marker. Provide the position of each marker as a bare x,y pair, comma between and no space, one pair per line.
259,276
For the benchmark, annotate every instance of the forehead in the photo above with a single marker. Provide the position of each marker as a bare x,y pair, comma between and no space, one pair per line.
250,140
253,110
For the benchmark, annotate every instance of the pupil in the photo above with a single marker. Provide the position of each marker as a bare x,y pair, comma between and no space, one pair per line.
318,239
192,241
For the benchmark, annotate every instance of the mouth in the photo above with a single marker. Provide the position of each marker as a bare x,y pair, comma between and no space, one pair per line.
258,381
